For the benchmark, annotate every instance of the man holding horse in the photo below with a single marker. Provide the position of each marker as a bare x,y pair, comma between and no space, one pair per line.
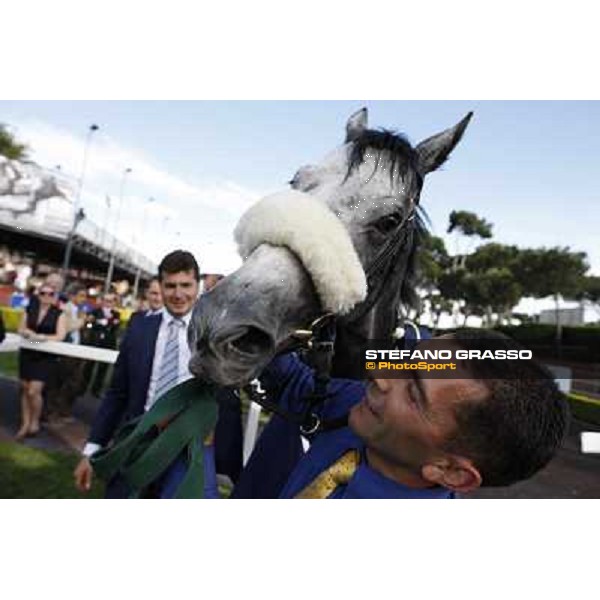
342,242
419,437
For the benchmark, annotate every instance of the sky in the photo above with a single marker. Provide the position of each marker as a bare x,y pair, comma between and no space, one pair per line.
528,167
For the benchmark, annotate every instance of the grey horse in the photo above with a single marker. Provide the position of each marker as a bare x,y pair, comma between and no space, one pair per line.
372,183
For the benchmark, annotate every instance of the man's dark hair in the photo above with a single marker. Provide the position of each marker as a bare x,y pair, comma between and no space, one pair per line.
176,262
517,429
151,281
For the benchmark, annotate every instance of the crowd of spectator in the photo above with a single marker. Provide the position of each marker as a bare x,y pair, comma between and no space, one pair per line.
76,313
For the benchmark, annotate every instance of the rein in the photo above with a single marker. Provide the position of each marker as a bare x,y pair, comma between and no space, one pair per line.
318,342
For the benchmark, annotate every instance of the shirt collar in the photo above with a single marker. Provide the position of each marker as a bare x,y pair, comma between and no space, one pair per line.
168,317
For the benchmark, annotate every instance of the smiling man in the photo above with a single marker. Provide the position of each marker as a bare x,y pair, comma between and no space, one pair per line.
424,437
153,358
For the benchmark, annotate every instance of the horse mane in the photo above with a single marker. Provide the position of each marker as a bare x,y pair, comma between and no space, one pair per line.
393,151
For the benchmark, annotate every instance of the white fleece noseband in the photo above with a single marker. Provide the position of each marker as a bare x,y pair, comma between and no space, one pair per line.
309,229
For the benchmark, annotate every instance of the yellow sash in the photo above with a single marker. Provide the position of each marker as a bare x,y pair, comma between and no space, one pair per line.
339,473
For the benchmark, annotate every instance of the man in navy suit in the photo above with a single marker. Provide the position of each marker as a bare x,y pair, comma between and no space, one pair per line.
154,357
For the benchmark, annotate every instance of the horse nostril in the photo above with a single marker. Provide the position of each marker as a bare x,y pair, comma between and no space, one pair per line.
252,341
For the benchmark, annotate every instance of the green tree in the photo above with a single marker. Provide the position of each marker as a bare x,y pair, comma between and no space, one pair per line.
432,261
9,146
466,225
492,256
552,272
590,289
469,224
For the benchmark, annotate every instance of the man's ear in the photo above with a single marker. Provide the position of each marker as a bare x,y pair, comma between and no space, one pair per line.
455,473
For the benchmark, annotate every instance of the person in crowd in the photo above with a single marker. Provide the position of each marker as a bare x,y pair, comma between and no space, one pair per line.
102,330
2,329
154,297
153,358
56,281
152,303
75,312
422,437
209,280
42,321
71,383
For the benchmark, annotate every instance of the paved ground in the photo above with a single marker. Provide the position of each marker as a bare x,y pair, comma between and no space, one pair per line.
570,475
67,436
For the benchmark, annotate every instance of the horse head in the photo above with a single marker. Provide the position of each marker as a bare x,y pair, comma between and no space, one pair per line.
369,189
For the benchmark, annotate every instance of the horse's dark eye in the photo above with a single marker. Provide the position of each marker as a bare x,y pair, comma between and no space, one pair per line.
388,223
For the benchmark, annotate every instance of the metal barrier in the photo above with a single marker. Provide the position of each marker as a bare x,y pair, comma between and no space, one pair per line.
73,350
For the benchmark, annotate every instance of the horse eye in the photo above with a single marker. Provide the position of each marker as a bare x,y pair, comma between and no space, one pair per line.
388,223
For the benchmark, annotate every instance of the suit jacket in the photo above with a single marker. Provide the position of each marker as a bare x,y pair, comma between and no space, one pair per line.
125,398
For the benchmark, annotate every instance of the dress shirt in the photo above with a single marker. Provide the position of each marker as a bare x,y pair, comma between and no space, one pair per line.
184,353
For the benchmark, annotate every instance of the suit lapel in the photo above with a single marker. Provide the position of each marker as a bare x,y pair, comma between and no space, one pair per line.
150,328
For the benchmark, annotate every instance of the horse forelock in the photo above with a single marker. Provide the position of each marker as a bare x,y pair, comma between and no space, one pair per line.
391,151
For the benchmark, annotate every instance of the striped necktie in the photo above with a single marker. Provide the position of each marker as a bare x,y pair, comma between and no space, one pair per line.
339,473
169,367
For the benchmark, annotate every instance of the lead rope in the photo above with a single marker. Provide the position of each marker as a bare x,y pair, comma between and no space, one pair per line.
320,359
318,342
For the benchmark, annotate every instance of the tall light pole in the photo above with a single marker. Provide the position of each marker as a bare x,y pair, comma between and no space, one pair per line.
139,269
106,218
111,264
78,214
166,220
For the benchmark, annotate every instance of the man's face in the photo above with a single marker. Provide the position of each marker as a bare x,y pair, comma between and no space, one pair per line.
80,298
179,292
154,296
109,301
408,421
55,280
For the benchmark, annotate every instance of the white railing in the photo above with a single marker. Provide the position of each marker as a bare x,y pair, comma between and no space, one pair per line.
14,342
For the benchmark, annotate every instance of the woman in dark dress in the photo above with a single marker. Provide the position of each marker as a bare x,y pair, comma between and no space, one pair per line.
42,322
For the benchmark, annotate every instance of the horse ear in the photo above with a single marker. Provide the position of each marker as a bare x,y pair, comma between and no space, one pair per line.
433,151
357,123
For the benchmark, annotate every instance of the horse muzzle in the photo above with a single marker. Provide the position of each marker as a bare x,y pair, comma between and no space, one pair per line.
232,355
